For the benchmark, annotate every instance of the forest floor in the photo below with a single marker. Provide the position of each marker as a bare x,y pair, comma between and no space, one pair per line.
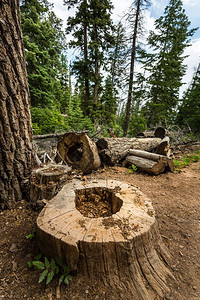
176,199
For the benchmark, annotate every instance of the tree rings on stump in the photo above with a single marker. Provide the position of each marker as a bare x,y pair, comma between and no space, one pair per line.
108,232
79,151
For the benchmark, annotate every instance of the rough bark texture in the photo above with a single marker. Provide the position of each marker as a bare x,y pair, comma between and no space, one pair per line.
124,251
47,181
79,151
113,150
15,121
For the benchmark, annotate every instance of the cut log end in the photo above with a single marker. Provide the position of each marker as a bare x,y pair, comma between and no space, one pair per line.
122,250
79,151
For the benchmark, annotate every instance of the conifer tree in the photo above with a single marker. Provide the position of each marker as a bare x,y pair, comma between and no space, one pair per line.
135,20
44,43
166,62
189,111
91,29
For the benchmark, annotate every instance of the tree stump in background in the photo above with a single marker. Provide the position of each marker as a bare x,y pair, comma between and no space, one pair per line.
79,151
47,181
108,232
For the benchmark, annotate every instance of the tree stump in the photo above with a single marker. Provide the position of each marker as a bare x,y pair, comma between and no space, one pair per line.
108,232
45,182
79,151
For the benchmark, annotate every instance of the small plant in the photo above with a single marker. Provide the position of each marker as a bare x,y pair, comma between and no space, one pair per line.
186,160
133,169
50,268
31,235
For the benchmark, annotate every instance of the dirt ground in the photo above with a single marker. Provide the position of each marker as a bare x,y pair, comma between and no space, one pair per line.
176,199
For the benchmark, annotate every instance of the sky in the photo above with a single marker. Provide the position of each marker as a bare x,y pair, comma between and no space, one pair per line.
192,10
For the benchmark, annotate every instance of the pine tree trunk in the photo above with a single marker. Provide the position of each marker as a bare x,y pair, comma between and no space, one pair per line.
96,84
128,106
15,121
87,90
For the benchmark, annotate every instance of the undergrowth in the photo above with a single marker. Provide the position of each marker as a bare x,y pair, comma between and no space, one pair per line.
50,268
186,160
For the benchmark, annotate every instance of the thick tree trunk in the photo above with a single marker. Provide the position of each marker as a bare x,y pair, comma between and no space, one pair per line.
113,150
15,120
122,250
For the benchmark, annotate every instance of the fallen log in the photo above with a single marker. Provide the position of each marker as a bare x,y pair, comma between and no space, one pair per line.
114,150
149,162
144,164
159,132
78,151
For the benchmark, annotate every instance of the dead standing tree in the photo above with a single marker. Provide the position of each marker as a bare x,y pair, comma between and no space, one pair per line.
15,121
136,14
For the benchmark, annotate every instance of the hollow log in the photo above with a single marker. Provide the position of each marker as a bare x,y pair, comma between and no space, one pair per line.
124,250
114,150
45,182
79,151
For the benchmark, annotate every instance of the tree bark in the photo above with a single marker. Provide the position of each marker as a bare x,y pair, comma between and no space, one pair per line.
96,71
87,89
16,150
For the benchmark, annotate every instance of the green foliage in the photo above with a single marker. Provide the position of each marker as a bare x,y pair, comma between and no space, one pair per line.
189,110
165,62
186,160
50,268
76,120
133,169
45,120
44,43
91,28
137,124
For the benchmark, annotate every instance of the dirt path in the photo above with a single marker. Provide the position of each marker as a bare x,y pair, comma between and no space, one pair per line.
176,199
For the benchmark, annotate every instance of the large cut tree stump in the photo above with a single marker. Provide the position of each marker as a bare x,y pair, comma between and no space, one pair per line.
108,232
79,151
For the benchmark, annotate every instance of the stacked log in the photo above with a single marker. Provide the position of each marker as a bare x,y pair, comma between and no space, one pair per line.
113,150
149,162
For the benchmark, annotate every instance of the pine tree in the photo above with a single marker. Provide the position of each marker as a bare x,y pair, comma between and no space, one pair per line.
134,18
92,35
109,104
165,62
44,42
189,110
78,26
